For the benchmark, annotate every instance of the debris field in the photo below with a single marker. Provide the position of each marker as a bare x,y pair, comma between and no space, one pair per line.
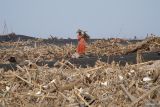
66,85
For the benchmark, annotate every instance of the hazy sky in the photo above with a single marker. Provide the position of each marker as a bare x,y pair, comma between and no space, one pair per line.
101,18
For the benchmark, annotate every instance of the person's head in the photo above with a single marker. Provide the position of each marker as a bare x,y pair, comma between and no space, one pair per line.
79,31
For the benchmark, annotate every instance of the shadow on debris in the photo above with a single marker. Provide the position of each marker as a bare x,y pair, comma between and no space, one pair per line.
121,59
91,61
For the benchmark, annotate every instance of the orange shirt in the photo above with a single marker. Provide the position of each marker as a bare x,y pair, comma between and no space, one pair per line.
81,45
81,39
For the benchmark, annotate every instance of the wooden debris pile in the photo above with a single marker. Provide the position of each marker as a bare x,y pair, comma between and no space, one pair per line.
149,44
99,86
66,85
36,53
105,47
110,47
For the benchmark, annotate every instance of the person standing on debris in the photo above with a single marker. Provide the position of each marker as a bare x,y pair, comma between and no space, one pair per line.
81,43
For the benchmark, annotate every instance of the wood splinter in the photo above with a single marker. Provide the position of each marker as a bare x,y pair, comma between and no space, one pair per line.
132,98
82,99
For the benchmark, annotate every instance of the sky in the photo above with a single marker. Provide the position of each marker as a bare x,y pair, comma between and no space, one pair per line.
62,18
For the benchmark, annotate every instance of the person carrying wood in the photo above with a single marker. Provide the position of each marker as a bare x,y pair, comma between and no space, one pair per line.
82,39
